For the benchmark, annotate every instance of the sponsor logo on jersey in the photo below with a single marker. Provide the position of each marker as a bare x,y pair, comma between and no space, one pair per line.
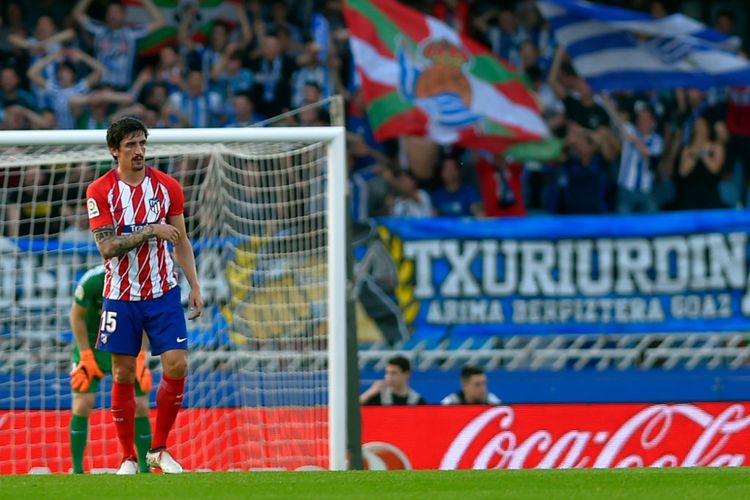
93,208
132,228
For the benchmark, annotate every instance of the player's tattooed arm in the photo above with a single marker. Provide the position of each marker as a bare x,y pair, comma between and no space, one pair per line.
111,245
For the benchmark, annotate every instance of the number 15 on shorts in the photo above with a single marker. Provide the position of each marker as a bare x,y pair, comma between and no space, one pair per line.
109,322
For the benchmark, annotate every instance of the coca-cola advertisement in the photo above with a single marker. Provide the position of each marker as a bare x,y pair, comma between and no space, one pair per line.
557,436
410,437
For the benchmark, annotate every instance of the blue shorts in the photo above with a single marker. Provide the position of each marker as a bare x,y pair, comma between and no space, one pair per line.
123,321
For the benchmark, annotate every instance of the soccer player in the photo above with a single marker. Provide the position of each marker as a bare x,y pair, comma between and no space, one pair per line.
134,212
91,365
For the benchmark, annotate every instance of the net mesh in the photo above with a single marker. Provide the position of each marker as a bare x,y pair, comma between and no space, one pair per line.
257,383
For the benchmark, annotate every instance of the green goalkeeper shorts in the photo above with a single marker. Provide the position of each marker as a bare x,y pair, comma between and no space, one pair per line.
104,360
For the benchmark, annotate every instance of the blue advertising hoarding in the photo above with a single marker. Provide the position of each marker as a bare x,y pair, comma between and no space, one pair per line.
675,272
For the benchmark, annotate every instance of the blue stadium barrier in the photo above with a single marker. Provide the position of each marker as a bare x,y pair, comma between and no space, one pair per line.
231,389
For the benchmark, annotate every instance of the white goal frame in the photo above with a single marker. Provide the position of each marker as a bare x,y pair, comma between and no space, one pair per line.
335,140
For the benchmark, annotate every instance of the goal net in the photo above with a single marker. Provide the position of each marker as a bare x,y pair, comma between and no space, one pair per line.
265,211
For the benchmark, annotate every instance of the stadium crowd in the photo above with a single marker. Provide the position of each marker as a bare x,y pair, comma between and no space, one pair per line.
69,65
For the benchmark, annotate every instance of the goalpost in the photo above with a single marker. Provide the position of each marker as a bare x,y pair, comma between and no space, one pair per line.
266,211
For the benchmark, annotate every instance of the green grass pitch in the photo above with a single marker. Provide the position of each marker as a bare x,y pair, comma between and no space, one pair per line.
698,483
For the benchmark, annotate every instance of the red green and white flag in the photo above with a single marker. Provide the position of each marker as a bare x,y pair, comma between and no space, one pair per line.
420,77
211,11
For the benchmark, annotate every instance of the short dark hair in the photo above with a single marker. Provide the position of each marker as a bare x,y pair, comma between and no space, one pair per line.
401,362
245,94
724,13
313,84
122,128
469,371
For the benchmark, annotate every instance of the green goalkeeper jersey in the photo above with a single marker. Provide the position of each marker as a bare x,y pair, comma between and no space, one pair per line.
90,294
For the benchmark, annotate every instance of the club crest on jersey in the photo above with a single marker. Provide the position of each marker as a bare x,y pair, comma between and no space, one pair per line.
154,204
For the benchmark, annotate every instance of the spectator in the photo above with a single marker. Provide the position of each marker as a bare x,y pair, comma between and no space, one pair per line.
552,108
66,93
584,178
220,39
17,117
583,109
370,178
358,123
320,30
473,389
501,181
258,16
642,148
657,9
155,99
693,104
724,22
12,118
578,98
454,198
101,104
536,30
33,208
11,93
699,171
74,180
738,125
56,10
528,55
280,21
499,29
358,178
313,116
153,106
198,106
314,72
228,77
273,72
46,40
114,42
411,201
11,24
244,111
169,69
394,389
77,224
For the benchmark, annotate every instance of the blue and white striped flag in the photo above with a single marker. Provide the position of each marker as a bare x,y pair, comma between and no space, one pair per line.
619,49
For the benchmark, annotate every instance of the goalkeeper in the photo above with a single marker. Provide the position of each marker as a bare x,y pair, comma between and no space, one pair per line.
90,365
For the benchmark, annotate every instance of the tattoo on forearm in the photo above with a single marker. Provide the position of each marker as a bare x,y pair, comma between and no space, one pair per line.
114,246
103,233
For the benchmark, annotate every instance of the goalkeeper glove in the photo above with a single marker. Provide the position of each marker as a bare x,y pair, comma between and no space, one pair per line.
86,370
142,373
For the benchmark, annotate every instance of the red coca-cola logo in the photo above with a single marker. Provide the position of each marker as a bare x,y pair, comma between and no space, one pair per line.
655,436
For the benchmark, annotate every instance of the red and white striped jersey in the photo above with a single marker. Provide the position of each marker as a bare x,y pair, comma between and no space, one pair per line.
147,271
